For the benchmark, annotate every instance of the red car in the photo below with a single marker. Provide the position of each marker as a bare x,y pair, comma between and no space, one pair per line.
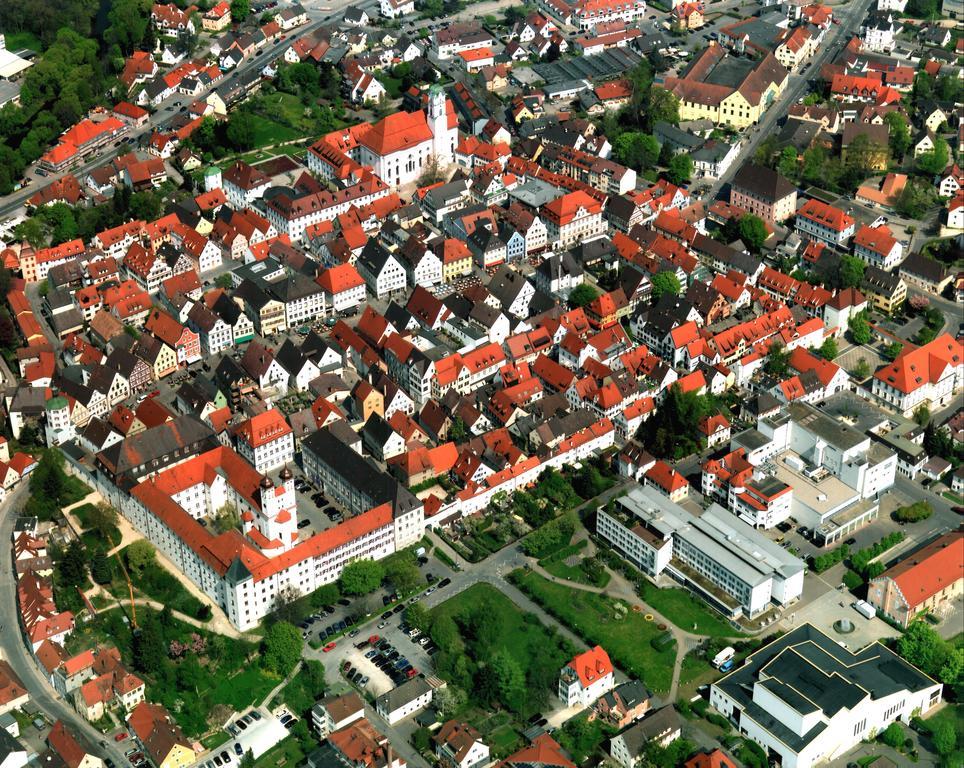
121,736
329,647
412,672
373,639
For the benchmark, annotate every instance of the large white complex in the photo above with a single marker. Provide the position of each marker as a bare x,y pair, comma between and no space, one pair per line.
807,700
836,471
732,566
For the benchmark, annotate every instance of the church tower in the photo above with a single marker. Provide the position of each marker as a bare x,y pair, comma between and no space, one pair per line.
443,138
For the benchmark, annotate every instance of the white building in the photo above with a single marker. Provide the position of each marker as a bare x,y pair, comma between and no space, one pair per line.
878,246
336,712
343,287
459,745
587,677
657,535
807,700
381,270
818,221
267,441
587,14
931,375
243,184
393,9
408,698
573,218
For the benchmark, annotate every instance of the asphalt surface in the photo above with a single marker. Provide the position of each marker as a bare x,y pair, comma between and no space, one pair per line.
13,642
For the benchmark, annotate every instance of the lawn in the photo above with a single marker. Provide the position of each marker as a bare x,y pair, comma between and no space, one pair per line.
392,84
92,539
522,638
288,752
953,714
626,635
247,687
268,131
686,611
557,566
157,583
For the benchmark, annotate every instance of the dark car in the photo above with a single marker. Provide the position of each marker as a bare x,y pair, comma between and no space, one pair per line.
344,602
386,616
237,749
225,756
398,608
850,542
444,582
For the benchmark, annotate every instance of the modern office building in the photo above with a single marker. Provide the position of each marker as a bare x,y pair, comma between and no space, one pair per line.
735,568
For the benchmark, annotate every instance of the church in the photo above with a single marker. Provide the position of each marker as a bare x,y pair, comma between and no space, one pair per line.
397,148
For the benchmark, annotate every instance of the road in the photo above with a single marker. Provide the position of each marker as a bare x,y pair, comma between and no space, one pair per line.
798,86
14,646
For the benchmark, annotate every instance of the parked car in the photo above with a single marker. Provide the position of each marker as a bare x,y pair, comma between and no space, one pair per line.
328,648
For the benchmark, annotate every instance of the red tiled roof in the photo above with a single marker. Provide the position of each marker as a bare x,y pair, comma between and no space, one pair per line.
927,571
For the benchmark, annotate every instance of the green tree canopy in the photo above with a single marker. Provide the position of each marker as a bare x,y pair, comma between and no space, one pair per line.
680,169
403,574
859,327
636,150
240,9
661,106
828,350
851,271
665,283
281,648
935,161
753,231
899,133
361,577
778,360
582,295
139,555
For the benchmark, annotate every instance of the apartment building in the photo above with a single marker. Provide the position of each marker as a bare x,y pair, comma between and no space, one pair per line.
764,193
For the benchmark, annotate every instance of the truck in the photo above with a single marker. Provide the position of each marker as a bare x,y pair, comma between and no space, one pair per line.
865,609
724,656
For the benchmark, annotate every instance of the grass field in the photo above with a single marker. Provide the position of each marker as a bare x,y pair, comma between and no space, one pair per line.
595,618
686,611
159,584
557,566
92,539
521,638
285,753
270,132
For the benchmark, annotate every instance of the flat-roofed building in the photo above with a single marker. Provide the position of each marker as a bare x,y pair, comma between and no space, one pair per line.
807,700
734,567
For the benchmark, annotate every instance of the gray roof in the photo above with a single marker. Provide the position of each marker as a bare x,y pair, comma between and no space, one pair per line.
403,694
810,671
638,735
380,487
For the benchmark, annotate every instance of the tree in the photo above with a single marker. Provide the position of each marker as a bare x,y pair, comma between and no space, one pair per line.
149,652
680,169
72,566
227,518
361,577
922,414
510,679
422,739
938,441
240,130
100,569
944,737
661,106
403,575
103,519
915,199
30,230
139,555
247,759
145,205
223,281
458,430
432,172
862,370
935,161
240,9
899,133
778,360
582,295
828,350
665,283
445,633
892,351
788,164
639,151
913,513
859,327
851,271
672,431
281,648
753,232
893,735
127,22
